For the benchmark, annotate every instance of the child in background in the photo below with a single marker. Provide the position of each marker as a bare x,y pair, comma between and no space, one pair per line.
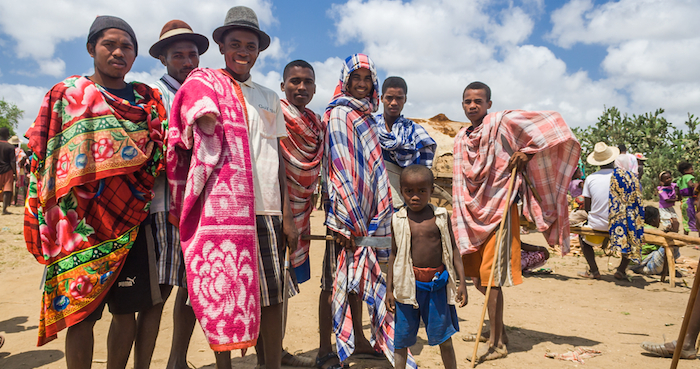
668,195
423,266
576,189
686,185
653,255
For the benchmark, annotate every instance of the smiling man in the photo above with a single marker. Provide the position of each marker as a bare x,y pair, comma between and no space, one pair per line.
403,141
178,49
214,105
97,145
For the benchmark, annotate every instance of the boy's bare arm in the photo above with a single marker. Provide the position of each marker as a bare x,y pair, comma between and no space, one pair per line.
390,302
459,268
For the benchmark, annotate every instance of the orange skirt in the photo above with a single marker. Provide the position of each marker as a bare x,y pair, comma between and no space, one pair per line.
478,264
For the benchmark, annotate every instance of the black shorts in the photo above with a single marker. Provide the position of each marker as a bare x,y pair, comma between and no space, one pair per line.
136,287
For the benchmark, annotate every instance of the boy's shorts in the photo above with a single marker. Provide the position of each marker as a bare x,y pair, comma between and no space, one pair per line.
270,259
169,256
439,317
136,287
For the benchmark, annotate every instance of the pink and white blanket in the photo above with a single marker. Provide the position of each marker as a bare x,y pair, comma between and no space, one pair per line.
481,175
210,176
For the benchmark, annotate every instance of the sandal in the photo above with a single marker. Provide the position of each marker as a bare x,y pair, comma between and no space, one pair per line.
320,361
369,356
620,276
472,338
659,349
2,340
588,275
296,361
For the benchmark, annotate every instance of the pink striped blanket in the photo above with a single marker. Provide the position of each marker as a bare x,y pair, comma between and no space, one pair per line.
210,176
302,151
481,175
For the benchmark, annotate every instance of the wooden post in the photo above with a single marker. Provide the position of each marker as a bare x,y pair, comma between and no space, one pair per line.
671,265
686,320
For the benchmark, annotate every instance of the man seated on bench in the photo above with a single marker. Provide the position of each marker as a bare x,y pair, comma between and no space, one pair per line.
609,211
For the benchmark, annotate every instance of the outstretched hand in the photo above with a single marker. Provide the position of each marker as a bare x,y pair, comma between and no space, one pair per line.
292,234
390,302
345,242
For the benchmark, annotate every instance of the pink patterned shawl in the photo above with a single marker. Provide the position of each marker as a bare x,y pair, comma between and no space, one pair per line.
302,151
210,176
481,175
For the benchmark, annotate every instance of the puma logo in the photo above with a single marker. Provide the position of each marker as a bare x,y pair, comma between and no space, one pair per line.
128,283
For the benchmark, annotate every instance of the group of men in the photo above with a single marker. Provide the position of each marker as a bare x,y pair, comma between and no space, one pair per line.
136,189
12,161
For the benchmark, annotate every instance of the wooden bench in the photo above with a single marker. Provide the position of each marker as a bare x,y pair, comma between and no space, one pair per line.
655,237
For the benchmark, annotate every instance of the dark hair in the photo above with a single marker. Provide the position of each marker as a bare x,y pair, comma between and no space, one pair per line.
651,213
420,170
683,166
296,63
93,40
479,86
4,132
394,82
622,147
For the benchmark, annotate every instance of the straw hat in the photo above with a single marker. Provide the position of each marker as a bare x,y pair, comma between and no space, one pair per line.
640,156
14,140
242,17
177,30
603,154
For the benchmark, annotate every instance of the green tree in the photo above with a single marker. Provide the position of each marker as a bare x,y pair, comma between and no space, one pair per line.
661,142
10,115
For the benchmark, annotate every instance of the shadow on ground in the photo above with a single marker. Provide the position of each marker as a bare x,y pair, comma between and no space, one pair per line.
14,325
522,339
30,359
250,361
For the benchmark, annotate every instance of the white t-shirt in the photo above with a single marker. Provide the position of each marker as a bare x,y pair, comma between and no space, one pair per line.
627,162
597,188
265,126
167,86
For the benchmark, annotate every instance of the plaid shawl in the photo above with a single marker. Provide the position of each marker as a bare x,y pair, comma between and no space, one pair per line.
407,143
360,274
302,151
626,217
358,185
95,160
210,177
481,175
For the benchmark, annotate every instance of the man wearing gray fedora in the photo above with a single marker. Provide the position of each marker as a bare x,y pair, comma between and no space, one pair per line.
240,41
178,49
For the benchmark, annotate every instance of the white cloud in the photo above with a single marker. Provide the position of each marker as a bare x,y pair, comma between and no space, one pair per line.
27,98
39,26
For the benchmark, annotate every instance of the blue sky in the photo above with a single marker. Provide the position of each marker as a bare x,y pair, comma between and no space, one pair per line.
573,56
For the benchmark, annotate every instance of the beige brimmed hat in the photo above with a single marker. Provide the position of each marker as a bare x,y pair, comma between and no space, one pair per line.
14,140
177,30
245,18
603,154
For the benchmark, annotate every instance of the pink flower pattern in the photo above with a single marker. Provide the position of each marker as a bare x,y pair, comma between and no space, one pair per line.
102,149
80,287
83,96
63,166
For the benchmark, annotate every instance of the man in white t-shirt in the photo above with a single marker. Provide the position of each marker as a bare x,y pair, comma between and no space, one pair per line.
240,41
596,201
626,161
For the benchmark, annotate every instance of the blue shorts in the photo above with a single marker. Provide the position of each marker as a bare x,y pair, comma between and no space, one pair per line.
439,317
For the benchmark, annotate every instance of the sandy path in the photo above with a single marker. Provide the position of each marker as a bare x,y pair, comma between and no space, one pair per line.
553,312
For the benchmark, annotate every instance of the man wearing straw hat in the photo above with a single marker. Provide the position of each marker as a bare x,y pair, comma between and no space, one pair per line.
489,158
606,212
178,49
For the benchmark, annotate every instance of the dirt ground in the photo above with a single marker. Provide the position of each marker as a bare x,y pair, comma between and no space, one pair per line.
554,312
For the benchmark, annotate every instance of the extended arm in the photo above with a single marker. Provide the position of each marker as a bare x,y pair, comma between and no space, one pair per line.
459,268
288,227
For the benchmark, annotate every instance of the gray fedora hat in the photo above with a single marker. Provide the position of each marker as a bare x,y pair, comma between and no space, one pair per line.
242,17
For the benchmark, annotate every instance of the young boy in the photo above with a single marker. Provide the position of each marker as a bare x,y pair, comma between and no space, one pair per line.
422,265
686,185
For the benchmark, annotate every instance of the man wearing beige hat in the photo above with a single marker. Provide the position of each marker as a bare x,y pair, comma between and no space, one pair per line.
599,204
178,49
20,160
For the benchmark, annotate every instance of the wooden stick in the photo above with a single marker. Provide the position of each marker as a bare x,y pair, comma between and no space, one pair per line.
671,265
317,237
686,320
651,235
499,242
